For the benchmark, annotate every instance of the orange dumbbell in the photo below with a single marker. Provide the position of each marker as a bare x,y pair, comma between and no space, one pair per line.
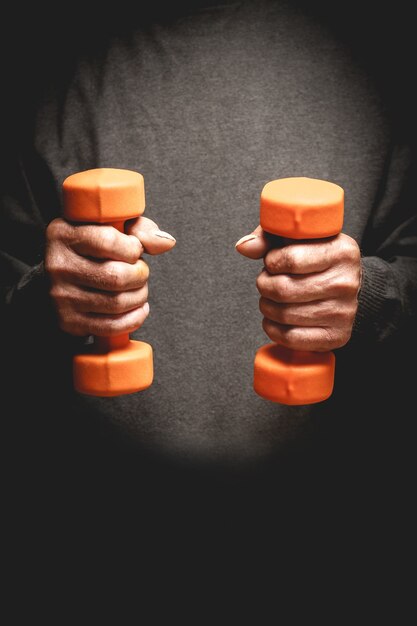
298,208
113,365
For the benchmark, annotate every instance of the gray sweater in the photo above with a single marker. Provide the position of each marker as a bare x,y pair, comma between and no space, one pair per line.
210,104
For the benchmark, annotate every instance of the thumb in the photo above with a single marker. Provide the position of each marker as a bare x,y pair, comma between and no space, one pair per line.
255,245
152,240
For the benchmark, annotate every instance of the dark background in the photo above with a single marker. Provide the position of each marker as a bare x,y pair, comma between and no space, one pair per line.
42,41
204,533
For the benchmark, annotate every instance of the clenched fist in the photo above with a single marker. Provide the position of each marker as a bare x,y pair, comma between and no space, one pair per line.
309,289
99,281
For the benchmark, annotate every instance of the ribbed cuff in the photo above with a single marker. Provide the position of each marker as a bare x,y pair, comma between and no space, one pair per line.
378,302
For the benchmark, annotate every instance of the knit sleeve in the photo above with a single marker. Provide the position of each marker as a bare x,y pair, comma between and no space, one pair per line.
387,308
33,346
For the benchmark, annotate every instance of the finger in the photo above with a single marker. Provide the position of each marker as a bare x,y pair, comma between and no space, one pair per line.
315,339
255,245
109,275
317,313
82,324
302,258
151,239
111,303
104,242
307,288
110,325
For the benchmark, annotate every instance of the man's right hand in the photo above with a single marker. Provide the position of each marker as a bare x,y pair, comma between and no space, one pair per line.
99,282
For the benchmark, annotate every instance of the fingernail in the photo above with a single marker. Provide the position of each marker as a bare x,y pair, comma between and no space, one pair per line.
146,308
164,235
245,239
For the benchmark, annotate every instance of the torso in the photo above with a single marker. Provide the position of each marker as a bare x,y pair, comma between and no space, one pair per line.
209,107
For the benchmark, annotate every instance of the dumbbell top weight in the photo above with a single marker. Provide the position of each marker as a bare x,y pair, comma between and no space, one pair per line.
113,365
302,208
103,195
298,208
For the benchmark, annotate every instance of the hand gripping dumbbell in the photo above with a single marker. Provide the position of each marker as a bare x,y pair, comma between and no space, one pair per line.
114,365
298,208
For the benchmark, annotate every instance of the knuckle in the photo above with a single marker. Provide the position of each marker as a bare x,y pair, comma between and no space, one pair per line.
336,339
270,264
278,288
58,294
340,312
356,254
264,306
55,229
113,277
143,269
260,282
291,259
274,311
348,314
345,337
116,303
55,264
271,261
135,246
283,288
285,259
333,339
269,328
329,339
50,262
106,238
338,316
285,335
71,325
285,316
290,337
114,325
142,295
349,249
347,284
122,324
